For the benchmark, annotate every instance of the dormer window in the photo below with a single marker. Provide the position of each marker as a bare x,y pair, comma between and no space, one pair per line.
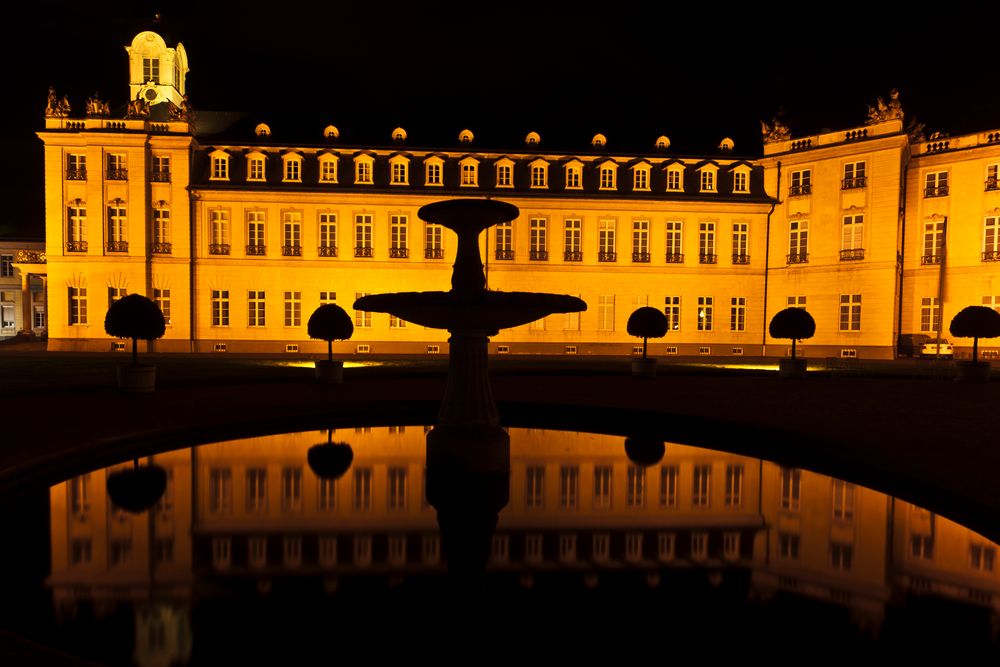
707,179
539,174
470,173
608,176
292,168
675,178
399,134
532,139
741,180
640,177
465,136
433,167
399,170
220,166
363,165
327,168
574,175
505,173
599,141
262,130
256,163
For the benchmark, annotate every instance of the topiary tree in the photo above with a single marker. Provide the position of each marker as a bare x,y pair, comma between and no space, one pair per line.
794,323
645,323
975,322
330,322
135,316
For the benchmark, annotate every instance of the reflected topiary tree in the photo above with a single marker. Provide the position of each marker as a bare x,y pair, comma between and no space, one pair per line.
975,322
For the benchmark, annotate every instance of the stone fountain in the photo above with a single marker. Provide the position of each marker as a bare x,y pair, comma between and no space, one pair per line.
468,453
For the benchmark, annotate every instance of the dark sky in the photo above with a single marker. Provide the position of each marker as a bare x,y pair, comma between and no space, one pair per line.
694,71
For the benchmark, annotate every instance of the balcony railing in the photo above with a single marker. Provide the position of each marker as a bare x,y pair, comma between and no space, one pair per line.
117,174
77,174
328,251
538,255
76,246
291,250
256,250
504,253
218,248
675,258
991,255
993,183
117,246
399,253
433,253
573,256
161,248
930,259
640,257
802,189
798,258
741,258
852,254
936,191
160,176
852,183
708,258
607,257
363,251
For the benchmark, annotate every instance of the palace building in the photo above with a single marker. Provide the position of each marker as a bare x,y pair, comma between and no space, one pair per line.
239,230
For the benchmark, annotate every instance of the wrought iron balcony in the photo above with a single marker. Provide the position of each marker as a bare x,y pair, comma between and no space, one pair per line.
708,258
675,258
741,258
573,256
852,254
117,174
328,251
607,257
802,189
76,246
291,250
160,176
160,248
991,255
399,253
77,174
640,257
852,183
218,249
993,183
798,258
930,259
538,255
433,253
936,191
504,253
363,251
256,250
117,246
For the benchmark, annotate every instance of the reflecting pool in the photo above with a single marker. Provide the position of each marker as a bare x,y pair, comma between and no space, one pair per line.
250,557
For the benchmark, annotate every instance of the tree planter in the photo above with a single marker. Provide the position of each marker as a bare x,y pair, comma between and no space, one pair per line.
973,371
645,368
792,368
137,379
329,372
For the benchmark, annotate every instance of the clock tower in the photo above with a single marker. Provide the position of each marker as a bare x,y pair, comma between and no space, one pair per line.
156,73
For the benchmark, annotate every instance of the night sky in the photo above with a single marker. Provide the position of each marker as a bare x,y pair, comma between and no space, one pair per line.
437,67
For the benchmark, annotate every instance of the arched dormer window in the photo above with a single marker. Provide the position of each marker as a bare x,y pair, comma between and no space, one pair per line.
331,132
399,170
328,167
539,174
262,130
675,177
574,174
469,172
607,175
599,141
433,170
256,166
466,137
364,169
708,178
640,176
741,179
533,139
663,142
505,172
399,134
291,167
220,165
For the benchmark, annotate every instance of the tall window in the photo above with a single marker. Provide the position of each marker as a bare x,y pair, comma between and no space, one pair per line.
734,485
470,174
400,173
115,294
76,167
706,243
362,318
293,169
707,180
538,249
982,557
738,314
572,322
255,233
116,167
397,488
220,490
992,181
569,487
573,178
505,240
705,306
851,238
116,229
291,489
161,297
219,241
991,239
933,242
854,175
220,308
292,234
539,176
534,484
791,488
505,175
668,486
151,70
293,309
76,231
936,184
674,180
635,486
741,242
602,487
850,312
798,241
77,305
606,241
327,234
327,297
161,169
363,235
606,312
841,556
843,500
363,171
433,241
256,490
161,230
220,168
326,496
640,241
741,181
255,308
672,309
607,178
363,482
675,249
328,171
398,225
800,183
640,179
433,174
573,231
930,314
701,486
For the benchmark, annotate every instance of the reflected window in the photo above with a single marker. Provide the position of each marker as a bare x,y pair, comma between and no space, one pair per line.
79,494
791,488
292,551
788,546
633,547
668,486
220,490
80,551
567,548
602,487
164,550
533,548
431,549
500,552
666,545
635,487
701,485
121,552
534,487
221,553
397,488
841,556
397,549
291,489
699,546
922,546
734,485
256,489
326,494
731,546
843,500
569,482
257,551
363,550
363,488
982,557
602,547
328,551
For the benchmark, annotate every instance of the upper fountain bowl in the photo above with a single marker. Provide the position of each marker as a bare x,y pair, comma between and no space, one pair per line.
468,214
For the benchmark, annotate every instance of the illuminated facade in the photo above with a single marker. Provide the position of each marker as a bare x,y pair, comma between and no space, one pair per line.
22,287
239,233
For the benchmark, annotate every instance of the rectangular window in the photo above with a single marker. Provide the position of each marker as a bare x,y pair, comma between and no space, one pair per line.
161,169
635,486
922,546
640,179
851,238
219,240
707,180
76,232
992,302
363,171
293,170
363,235
397,488
255,308
606,312
362,318
76,167
396,323
116,167
161,231
363,479
220,308
117,232
640,241
843,500
539,176
850,312
573,178
115,293
256,490
674,180
291,234
433,174
470,174
738,314
255,233
741,243
706,243
675,249
505,240
572,322
291,489
668,486
701,485
538,249
328,171
798,241
161,297
734,485
398,246
293,309
220,168
705,306
841,556
854,175
151,70
433,241
991,240
327,234
400,174
741,182
672,309
327,297
936,184
982,557
326,494
930,314
6,266
602,487
569,487
77,305
607,178
504,176
791,488
573,235
800,183
788,546
933,242
992,182
606,249
534,483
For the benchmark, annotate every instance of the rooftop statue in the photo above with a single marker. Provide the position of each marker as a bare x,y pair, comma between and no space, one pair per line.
137,108
182,112
776,131
882,111
97,108
56,108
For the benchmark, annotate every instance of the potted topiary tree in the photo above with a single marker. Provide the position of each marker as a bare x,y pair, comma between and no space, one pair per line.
135,316
975,322
330,322
646,323
796,324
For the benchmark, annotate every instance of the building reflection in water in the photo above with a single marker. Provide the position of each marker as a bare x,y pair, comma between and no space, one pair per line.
252,509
